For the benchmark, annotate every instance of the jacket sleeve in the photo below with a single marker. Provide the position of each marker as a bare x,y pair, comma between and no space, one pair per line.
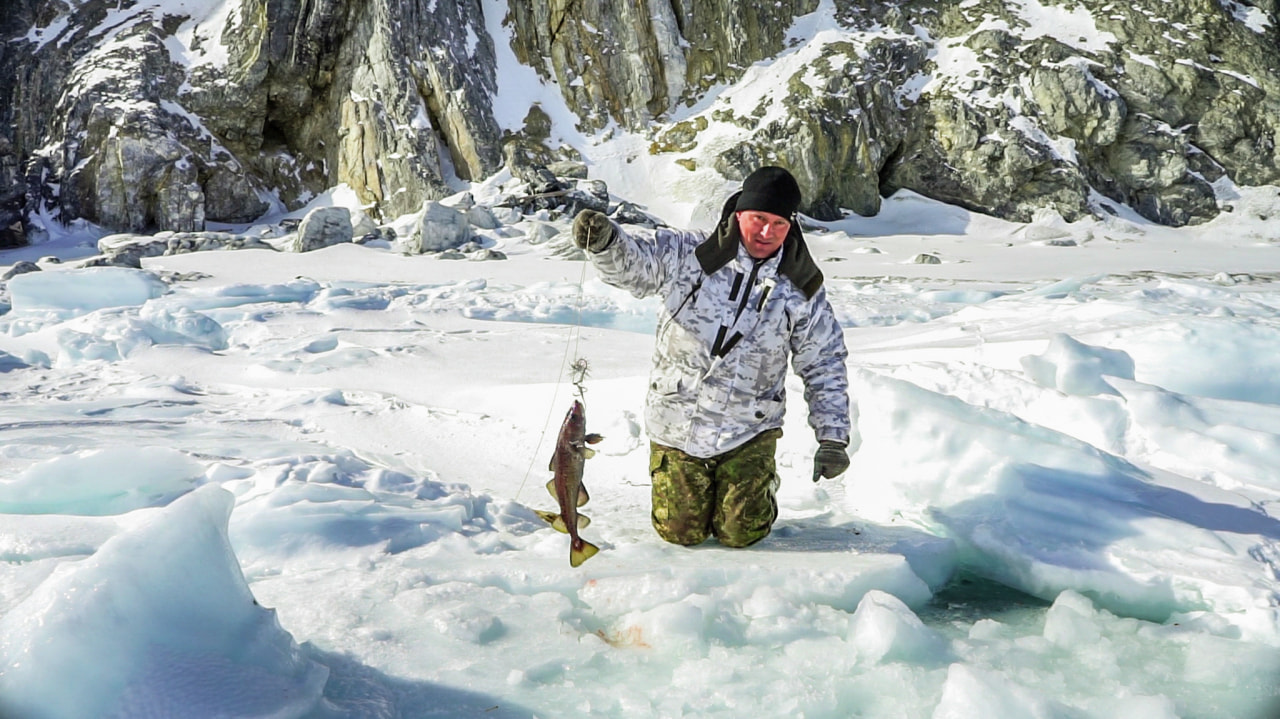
640,265
819,358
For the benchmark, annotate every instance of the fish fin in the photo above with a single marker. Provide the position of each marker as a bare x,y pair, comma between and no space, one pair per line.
588,453
555,520
551,487
583,497
593,438
583,521
551,465
583,553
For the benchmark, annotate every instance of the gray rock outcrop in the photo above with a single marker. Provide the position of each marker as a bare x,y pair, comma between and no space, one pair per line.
1146,103
126,154
13,190
290,97
128,249
113,112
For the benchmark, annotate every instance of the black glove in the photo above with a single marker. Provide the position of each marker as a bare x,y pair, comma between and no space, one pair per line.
592,231
830,460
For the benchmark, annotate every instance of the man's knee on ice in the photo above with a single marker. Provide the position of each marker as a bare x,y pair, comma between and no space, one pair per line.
738,540
686,536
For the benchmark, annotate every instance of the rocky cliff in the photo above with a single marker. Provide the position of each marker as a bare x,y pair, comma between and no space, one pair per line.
144,115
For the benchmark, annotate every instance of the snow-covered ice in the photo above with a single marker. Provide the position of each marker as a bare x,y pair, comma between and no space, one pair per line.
264,484
261,484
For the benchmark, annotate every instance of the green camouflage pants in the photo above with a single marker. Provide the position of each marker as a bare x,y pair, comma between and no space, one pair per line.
730,496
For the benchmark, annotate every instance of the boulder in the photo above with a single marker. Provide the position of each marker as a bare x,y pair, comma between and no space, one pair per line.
536,233
320,228
592,196
362,225
568,168
19,268
483,218
628,213
130,260
441,228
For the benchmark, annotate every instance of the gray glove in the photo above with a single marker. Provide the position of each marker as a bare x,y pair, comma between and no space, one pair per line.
592,231
830,460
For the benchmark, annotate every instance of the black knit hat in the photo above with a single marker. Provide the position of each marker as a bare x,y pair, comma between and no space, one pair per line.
770,189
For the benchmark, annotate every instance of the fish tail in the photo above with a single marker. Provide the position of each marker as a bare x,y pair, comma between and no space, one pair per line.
555,520
580,554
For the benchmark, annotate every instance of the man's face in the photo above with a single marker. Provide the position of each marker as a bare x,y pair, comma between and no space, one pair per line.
762,232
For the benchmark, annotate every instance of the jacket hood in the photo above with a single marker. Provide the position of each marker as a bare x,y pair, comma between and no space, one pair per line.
796,264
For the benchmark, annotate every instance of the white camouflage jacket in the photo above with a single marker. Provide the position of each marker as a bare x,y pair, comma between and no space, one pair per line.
727,327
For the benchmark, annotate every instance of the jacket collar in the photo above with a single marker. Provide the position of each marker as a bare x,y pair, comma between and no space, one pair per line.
796,264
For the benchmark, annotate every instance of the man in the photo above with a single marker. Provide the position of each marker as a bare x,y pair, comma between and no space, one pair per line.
737,305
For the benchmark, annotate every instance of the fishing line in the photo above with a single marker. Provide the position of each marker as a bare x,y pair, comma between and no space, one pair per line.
577,369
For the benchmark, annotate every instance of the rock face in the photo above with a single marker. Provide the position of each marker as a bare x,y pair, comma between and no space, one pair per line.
113,112
634,62
17,17
137,120
13,189
1124,101
981,103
